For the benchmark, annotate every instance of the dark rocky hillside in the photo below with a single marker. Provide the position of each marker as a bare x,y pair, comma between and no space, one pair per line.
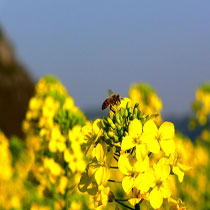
16,88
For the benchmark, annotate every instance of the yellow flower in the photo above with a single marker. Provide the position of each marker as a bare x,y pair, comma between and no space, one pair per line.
177,167
155,102
131,168
161,186
137,196
53,167
91,133
136,136
144,181
75,205
35,103
57,141
176,205
5,159
75,160
125,164
165,136
102,172
62,185
75,135
135,95
102,196
69,103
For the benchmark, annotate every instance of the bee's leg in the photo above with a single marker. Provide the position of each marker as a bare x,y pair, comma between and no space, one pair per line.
112,109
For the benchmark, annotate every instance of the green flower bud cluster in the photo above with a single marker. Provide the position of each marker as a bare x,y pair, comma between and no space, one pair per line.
116,125
67,119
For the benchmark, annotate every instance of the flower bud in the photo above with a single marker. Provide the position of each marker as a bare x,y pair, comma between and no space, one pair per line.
126,113
112,125
130,111
121,112
103,124
116,139
111,134
135,112
119,127
109,120
117,117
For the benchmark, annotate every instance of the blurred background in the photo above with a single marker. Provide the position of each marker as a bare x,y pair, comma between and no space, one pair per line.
94,46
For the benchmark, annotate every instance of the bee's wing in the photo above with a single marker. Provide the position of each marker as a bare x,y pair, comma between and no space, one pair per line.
110,92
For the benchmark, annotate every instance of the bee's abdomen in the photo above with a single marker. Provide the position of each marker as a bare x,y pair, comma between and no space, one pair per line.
105,104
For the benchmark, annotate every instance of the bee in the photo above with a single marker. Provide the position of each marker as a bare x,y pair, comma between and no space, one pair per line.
114,99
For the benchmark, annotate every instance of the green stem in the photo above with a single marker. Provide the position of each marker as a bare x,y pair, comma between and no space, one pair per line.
66,200
110,180
137,206
66,191
126,206
53,197
114,167
122,199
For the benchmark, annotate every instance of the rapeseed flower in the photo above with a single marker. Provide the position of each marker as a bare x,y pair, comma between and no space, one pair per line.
138,134
165,136
161,187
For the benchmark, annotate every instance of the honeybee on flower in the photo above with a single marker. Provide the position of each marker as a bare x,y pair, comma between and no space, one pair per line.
113,99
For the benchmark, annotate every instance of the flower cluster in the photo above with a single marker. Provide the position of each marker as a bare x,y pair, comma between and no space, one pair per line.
5,158
201,105
12,176
130,143
193,155
53,127
146,96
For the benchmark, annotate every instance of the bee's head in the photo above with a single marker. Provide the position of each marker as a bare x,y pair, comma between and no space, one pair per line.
118,97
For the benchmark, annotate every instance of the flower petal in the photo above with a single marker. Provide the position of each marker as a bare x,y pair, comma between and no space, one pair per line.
102,175
149,131
162,169
165,189
144,181
135,128
124,163
179,173
142,165
128,184
166,130
153,146
141,151
100,151
156,198
168,146
127,143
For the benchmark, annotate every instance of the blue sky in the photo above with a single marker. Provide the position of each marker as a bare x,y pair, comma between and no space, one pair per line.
93,46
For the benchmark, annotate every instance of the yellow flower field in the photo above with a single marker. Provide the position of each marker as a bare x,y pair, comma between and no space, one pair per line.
128,159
